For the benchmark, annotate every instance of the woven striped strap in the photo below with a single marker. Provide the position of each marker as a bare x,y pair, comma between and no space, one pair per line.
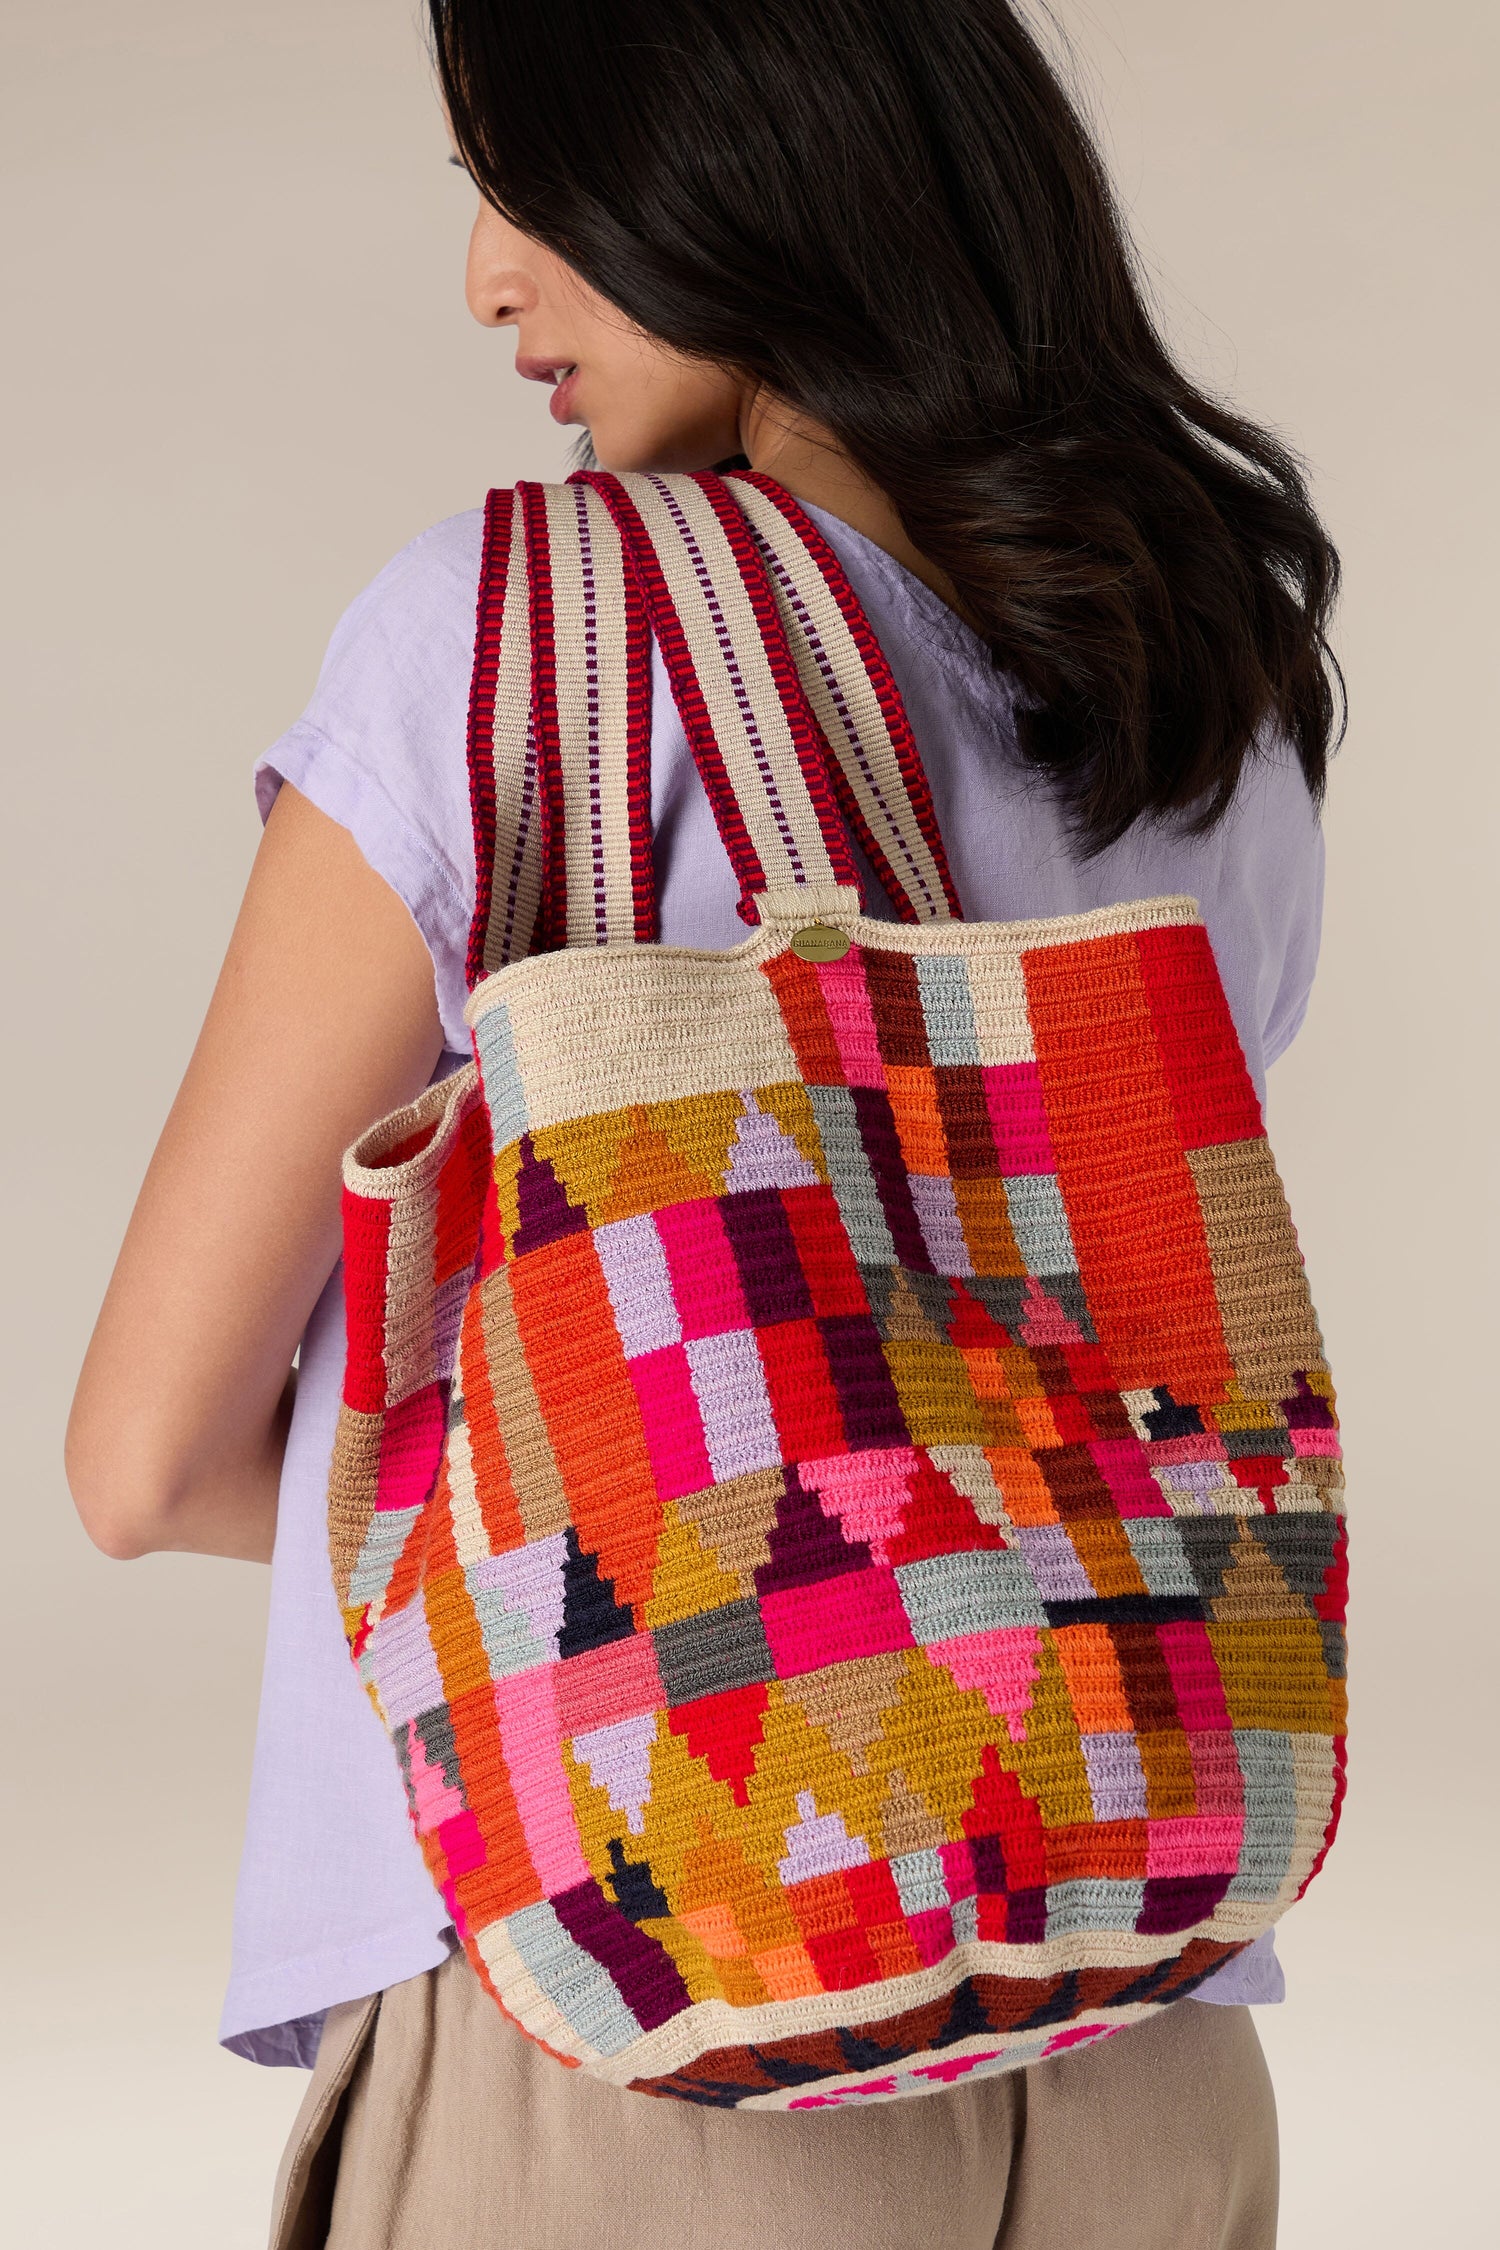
791,712
752,732
559,733
502,752
876,770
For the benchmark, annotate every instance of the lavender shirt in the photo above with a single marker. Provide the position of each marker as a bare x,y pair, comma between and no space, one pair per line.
333,1898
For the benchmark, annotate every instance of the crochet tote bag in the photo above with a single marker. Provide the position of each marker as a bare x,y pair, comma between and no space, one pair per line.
837,1499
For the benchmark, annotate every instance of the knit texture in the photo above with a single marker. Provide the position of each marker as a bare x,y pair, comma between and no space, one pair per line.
837,1498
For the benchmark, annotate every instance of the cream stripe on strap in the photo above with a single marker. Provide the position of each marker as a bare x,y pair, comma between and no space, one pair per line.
758,747
559,733
791,711
855,700
584,711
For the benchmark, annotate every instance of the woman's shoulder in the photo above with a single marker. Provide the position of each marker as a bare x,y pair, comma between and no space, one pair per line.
380,746
429,587
446,553
394,681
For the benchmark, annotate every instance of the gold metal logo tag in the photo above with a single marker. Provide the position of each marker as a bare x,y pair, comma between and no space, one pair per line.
819,943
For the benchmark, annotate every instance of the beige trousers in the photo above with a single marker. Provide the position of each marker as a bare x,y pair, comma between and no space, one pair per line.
431,2124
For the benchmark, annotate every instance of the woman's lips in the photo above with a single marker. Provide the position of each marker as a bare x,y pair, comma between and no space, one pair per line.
562,374
560,406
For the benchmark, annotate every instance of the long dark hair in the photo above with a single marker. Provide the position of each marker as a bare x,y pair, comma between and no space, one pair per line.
889,213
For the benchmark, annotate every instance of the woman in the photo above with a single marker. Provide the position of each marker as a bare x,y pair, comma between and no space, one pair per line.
866,246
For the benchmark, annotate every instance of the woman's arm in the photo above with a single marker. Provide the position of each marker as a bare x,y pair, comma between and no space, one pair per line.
324,1017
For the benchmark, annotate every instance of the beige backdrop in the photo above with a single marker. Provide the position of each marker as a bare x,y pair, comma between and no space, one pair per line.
240,376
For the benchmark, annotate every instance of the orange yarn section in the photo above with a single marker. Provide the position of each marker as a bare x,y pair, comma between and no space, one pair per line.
805,1014
493,1484
1130,1195
583,1388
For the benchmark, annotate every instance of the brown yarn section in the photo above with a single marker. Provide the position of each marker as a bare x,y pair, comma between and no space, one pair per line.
1000,2004
533,1465
352,1482
1269,1324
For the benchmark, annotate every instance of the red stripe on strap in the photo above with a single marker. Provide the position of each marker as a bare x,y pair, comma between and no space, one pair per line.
493,568
887,694
853,812
688,695
638,762
552,919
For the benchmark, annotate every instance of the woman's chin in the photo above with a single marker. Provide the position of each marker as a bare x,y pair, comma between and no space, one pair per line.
659,452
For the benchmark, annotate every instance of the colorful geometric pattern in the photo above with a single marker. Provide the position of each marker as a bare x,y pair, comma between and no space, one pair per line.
853,1568
837,1494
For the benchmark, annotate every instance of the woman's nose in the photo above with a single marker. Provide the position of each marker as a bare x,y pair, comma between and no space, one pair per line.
498,292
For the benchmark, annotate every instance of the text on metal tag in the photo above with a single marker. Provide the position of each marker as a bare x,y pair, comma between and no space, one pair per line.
819,943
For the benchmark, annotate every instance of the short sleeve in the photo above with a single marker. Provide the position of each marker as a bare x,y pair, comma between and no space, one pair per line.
1300,958
1270,885
381,746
